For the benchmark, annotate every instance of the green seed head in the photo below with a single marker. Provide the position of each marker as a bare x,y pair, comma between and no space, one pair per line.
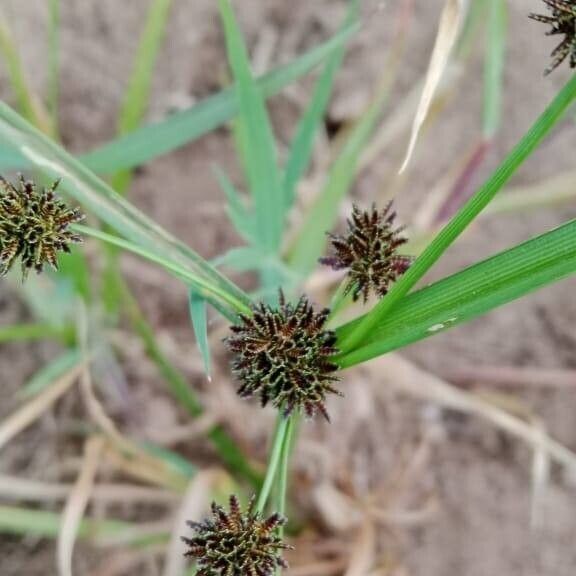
369,252
34,226
562,18
235,543
284,354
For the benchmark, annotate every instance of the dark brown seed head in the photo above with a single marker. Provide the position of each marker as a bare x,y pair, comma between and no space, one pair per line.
235,543
34,225
369,252
562,19
283,354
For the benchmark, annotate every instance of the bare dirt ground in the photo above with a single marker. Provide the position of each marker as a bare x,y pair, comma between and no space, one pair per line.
453,494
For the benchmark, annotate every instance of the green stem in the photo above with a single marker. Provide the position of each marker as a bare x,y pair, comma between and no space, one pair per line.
465,216
275,457
283,472
202,286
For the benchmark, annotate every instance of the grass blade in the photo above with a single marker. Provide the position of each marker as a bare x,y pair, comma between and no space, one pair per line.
311,240
28,332
301,147
76,505
157,139
28,413
468,294
448,32
26,522
259,152
114,210
220,299
198,314
531,140
241,218
28,103
51,372
138,91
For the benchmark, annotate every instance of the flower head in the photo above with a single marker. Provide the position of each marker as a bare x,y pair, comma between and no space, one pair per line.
562,18
369,252
283,354
236,543
34,225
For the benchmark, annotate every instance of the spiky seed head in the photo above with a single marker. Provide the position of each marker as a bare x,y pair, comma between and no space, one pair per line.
369,251
34,226
283,354
562,18
236,543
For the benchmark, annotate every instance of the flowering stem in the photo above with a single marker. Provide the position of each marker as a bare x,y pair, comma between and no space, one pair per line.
282,426
283,472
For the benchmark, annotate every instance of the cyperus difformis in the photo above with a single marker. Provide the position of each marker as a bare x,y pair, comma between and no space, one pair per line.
283,353
369,251
34,225
562,18
236,543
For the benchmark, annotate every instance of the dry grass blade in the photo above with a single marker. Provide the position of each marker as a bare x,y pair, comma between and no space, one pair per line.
18,488
31,411
540,475
76,505
408,378
448,32
193,505
363,551
138,462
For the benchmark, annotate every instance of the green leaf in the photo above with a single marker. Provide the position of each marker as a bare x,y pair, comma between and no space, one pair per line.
301,149
322,216
118,213
28,522
28,103
259,151
531,140
138,91
199,316
159,138
468,294
220,299
28,332
239,215
51,372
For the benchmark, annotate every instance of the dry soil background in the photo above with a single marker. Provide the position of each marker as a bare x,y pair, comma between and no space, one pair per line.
477,479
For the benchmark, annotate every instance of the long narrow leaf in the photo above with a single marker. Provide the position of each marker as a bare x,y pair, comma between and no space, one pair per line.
311,240
114,210
551,116
468,294
198,314
254,125
139,85
302,145
157,139
28,102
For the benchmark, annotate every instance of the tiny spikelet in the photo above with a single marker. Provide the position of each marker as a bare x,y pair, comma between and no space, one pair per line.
369,252
34,226
562,19
236,543
283,354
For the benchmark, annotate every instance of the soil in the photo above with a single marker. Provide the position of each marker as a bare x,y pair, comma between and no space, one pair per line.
470,498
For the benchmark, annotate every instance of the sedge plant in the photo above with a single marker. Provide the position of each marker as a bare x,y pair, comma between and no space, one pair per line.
284,350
